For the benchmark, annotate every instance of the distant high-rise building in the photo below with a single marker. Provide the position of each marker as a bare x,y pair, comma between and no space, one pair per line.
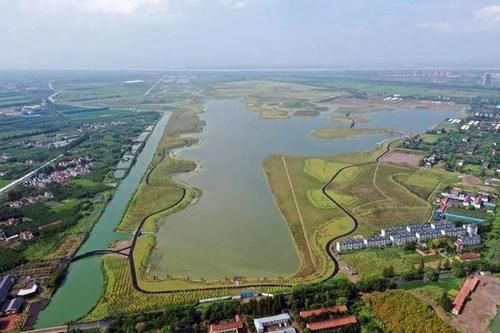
487,79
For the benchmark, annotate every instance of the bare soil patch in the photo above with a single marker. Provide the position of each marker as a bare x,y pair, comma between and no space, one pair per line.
480,308
396,157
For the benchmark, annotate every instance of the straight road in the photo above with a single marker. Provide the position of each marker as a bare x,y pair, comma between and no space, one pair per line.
299,213
27,176
155,85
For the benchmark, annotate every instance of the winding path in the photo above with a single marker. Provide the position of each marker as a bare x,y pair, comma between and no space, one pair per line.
138,232
353,218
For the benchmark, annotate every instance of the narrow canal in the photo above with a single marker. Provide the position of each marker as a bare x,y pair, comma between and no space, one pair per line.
85,282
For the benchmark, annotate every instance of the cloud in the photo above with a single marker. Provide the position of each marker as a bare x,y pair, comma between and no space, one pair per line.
436,26
489,13
116,7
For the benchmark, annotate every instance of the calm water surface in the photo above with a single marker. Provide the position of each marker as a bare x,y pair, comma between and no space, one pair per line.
235,229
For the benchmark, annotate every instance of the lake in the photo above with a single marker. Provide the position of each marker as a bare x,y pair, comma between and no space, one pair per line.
235,229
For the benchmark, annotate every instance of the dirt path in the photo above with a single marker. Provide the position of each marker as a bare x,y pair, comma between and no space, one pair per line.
298,212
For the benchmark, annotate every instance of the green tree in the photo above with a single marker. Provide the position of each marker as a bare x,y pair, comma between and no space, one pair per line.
458,270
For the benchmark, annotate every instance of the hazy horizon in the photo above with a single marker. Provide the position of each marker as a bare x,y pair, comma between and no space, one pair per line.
248,34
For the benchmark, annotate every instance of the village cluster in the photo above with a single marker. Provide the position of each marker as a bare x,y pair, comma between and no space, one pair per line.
25,235
31,200
64,171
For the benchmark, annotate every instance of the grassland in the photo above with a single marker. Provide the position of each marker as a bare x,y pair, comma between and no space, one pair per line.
344,132
376,194
372,262
402,312
322,221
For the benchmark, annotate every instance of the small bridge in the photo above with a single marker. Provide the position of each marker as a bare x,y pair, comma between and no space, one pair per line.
124,252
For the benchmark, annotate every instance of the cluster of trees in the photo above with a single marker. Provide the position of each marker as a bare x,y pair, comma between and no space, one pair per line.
194,318
9,259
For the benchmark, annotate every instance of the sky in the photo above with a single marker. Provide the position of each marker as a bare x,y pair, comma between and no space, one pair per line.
164,34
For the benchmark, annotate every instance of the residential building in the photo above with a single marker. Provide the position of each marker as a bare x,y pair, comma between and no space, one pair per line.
6,284
333,324
386,232
350,244
414,228
453,232
402,238
427,234
471,229
15,306
442,225
465,241
376,241
282,320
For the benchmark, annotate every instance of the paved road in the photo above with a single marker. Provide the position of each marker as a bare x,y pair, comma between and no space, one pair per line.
155,85
16,182
52,98
306,237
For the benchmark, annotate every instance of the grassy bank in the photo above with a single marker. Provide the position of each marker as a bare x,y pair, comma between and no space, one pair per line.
344,132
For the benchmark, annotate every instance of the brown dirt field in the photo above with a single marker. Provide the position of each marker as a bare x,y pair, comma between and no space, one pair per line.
481,307
402,158
471,180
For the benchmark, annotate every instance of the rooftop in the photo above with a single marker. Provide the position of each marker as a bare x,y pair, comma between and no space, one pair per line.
332,324
319,311
469,285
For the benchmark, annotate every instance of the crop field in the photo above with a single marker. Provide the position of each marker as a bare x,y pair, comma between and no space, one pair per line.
9,99
121,297
402,312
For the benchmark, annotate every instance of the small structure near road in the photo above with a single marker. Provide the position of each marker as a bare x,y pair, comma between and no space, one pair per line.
228,327
468,288
278,323
30,288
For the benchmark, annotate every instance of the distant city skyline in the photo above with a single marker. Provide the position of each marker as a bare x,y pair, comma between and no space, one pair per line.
201,34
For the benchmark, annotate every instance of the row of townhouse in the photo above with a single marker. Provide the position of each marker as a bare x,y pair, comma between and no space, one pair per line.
400,235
